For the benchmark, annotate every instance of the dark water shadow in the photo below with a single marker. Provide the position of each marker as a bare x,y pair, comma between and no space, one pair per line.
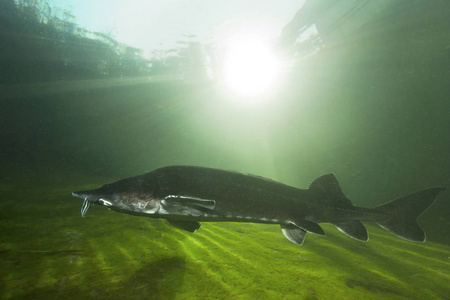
161,279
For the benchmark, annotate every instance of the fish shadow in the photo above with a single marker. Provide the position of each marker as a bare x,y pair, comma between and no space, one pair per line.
160,279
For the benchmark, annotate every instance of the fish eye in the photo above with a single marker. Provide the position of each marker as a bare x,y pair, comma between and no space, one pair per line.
104,202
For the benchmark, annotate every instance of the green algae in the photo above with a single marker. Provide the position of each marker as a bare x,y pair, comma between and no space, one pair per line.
48,251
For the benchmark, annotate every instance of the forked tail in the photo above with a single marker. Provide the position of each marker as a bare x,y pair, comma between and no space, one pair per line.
403,213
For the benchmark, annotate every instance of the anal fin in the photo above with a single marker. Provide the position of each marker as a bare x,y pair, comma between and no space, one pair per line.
293,233
354,229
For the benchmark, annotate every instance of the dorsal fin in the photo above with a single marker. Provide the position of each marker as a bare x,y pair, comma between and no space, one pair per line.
327,189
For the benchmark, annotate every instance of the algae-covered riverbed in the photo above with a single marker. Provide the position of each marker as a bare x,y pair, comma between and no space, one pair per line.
47,251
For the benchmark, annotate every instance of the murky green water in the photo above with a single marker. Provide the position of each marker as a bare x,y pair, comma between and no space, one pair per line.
371,106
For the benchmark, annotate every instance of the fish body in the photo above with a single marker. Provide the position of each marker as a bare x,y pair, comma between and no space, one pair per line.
187,195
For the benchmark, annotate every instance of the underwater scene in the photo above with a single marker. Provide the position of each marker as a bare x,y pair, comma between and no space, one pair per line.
224,149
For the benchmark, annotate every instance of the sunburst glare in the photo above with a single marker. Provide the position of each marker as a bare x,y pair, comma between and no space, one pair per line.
251,67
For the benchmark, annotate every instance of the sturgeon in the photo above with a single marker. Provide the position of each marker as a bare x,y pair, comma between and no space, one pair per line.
187,195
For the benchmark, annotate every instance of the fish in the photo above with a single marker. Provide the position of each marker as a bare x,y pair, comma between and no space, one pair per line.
188,195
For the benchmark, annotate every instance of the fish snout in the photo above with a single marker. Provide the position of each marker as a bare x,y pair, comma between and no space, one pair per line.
88,198
77,195
86,195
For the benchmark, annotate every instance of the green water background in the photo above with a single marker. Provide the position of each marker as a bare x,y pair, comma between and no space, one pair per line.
373,110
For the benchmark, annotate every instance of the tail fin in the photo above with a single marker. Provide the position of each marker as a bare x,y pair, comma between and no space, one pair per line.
403,213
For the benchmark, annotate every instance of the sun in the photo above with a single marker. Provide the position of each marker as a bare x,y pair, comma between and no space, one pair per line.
251,67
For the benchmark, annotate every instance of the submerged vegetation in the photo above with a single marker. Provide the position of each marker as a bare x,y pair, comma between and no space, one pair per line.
40,43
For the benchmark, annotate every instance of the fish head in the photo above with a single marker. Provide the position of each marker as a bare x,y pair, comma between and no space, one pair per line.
132,195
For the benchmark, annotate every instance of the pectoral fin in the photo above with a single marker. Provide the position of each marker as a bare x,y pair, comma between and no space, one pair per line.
184,205
190,201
